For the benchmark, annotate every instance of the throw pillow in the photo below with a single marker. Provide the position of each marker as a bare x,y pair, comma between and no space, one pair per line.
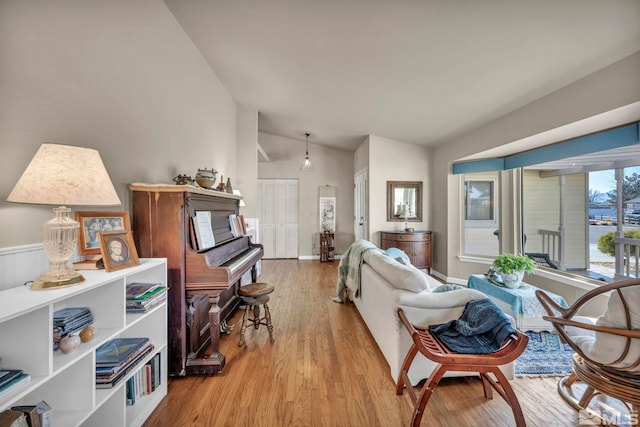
399,255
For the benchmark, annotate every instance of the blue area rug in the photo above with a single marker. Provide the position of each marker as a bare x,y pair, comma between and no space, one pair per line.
545,355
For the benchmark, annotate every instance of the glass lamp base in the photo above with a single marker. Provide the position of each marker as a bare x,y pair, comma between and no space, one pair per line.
60,238
49,281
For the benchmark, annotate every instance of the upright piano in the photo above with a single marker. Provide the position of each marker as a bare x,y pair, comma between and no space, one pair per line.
203,283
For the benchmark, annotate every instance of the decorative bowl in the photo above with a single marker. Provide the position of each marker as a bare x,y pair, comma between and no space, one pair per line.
206,177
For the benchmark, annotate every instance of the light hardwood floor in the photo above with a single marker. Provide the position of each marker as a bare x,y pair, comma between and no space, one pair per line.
325,369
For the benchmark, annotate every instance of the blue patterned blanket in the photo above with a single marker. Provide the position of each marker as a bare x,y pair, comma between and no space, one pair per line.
481,329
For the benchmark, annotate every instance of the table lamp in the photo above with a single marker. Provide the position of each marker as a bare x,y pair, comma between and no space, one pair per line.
66,176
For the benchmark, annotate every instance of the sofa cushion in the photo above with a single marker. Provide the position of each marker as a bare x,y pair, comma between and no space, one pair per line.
400,276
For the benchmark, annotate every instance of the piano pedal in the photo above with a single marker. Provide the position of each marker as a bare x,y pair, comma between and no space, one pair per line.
226,328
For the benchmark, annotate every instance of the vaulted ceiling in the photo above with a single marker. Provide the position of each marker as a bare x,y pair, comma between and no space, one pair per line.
416,71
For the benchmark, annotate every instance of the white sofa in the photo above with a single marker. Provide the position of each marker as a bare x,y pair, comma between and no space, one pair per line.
385,285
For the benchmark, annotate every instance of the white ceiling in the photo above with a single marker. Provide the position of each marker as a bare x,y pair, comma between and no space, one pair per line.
415,71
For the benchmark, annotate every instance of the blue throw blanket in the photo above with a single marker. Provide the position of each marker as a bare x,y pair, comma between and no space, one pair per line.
349,269
481,329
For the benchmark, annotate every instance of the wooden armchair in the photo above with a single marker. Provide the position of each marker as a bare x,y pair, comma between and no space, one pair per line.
484,364
607,349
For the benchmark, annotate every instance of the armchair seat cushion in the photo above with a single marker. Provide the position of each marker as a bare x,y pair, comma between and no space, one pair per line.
604,347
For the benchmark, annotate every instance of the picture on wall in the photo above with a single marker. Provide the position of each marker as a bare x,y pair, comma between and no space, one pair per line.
327,214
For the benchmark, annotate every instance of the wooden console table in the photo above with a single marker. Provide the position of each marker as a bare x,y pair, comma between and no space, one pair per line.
416,244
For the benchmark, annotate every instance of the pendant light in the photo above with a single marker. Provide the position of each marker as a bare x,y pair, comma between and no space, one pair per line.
307,166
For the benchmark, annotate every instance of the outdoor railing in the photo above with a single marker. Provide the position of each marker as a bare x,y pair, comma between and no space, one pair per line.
630,250
552,245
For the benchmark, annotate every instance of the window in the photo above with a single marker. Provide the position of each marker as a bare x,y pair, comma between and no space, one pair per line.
564,214
479,201
480,214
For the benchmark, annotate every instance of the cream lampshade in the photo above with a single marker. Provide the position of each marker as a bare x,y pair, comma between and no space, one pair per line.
66,176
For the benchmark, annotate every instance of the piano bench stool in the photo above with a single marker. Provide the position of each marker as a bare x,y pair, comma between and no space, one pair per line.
253,296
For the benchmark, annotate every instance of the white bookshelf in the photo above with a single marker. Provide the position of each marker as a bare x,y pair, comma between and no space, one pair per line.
67,381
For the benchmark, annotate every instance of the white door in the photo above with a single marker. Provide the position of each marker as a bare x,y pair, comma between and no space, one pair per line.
360,220
278,201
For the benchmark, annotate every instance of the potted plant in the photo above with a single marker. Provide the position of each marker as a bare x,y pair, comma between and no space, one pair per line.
512,267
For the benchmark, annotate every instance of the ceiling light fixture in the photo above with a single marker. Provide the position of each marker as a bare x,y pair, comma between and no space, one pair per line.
307,166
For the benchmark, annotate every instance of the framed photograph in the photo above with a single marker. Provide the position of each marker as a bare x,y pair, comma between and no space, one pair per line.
92,223
118,250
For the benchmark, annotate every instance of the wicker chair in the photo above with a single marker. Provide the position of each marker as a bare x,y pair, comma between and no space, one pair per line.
427,344
607,349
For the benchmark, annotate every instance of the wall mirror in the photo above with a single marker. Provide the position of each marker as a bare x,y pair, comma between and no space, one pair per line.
404,201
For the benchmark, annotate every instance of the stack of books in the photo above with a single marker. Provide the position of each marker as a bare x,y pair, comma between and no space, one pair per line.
117,357
145,381
10,379
68,321
144,296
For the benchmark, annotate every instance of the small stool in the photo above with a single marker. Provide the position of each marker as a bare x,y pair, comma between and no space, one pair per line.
253,296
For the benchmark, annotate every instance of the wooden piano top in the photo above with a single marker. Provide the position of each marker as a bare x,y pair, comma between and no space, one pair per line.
173,188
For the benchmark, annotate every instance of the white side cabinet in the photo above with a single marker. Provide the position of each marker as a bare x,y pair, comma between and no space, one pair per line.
67,381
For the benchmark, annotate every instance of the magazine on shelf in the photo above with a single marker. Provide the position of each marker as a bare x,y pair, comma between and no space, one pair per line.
118,351
142,306
104,381
8,375
137,291
14,383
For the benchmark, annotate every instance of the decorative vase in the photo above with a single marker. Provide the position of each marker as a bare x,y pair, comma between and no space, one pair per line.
512,280
229,188
69,344
206,177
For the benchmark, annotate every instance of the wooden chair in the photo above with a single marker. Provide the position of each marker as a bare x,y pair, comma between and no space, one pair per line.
432,348
619,378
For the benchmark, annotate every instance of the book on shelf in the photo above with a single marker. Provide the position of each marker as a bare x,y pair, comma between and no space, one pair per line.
203,230
15,383
243,223
8,375
145,381
89,264
118,351
111,380
11,418
235,225
137,291
146,305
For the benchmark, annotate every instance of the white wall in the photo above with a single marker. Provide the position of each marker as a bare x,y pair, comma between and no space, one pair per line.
333,167
247,159
391,160
120,76
609,89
